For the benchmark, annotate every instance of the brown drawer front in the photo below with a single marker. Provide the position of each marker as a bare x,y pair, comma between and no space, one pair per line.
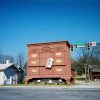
43,62
33,71
33,62
33,56
59,54
44,71
59,61
59,70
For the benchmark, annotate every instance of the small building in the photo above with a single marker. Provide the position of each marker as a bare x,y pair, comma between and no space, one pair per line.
95,73
50,60
8,73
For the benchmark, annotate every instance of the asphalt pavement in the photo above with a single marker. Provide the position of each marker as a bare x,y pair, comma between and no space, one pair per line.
49,93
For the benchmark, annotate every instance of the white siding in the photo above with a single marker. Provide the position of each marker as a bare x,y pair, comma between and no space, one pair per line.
9,75
2,78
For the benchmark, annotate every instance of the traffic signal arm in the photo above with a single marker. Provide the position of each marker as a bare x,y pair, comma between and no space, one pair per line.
72,46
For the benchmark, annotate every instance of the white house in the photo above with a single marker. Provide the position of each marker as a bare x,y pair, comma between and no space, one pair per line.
8,73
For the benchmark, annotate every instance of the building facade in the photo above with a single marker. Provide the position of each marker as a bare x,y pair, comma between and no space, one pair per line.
95,73
49,60
10,74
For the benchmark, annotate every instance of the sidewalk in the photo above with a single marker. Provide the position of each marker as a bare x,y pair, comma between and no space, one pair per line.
87,83
78,84
83,84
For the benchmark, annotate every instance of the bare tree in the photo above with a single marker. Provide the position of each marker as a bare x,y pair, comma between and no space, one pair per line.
20,60
89,57
25,69
5,57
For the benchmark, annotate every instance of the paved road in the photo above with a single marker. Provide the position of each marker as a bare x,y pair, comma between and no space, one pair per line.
41,93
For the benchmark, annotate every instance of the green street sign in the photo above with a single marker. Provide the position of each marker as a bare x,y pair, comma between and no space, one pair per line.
80,44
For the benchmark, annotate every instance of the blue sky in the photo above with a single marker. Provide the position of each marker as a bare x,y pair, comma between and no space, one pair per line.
34,21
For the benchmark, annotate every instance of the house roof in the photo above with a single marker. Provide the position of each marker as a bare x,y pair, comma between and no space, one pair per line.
95,68
5,66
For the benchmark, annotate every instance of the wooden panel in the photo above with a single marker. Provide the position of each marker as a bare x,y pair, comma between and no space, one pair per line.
44,71
33,56
46,55
33,71
60,70
59,61
33,62
59,54
43,62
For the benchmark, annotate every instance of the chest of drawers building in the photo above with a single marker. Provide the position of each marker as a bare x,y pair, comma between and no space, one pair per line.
49,60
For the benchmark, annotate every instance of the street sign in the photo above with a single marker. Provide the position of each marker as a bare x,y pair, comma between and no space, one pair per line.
80,44
93,43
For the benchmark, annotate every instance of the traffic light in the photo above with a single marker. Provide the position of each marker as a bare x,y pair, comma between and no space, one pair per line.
88,46
76,46
72,47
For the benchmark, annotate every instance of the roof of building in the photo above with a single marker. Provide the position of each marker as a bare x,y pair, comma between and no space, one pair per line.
5,66
49,43
95,68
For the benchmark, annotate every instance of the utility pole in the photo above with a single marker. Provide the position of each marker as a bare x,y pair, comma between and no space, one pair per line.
89,66
88,73
85,67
